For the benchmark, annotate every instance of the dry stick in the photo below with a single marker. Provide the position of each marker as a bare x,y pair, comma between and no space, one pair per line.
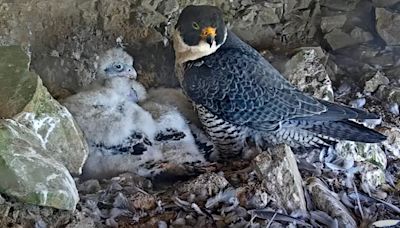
272,219
358,200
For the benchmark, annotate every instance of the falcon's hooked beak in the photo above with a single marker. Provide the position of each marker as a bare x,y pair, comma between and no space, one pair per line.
208,34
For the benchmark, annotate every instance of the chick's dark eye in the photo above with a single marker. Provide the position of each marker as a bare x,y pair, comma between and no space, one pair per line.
195,25
118,67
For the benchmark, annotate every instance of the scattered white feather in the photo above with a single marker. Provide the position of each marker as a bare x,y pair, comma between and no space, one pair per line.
394,108
358,103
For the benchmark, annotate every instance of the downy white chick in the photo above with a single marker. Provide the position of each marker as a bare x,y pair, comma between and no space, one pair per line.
118,131
170,107
174,137
123,137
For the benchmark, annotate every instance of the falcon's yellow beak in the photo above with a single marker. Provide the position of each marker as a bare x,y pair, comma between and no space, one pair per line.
208,34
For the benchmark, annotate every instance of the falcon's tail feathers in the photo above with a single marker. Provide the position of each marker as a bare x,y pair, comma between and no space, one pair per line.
347,130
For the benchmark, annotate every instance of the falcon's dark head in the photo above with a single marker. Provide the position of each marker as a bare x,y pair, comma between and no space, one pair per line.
200,29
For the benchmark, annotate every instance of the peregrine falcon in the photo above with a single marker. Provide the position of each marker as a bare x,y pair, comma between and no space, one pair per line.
239,95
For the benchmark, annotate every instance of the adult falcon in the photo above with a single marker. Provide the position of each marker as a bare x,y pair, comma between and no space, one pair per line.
239,95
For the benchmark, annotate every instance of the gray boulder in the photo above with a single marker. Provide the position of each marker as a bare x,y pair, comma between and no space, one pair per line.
40,143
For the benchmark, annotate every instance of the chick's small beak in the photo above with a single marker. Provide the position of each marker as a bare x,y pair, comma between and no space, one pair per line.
208,34
131,72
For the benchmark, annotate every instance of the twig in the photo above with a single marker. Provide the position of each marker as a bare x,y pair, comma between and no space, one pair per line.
358,200
270,221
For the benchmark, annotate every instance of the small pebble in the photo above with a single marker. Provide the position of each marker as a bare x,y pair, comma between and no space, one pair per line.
89,186
179,222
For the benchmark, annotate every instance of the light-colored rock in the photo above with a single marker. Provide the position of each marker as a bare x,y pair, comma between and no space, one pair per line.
329,202
300,28
293,5
392,144
168,7
281,177
15,80
56,128
205,185
308,73
384,3
342,5
27,101
377,80
371,177
361,35
389,94
332,22
247,26
387,26
338,39
370,152
268,14
40,143
29,175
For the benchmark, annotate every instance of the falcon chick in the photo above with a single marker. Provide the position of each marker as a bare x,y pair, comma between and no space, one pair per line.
178,125
119,132
239,95
123,137
173,102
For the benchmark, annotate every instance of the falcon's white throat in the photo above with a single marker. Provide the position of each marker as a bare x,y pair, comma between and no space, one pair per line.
184,52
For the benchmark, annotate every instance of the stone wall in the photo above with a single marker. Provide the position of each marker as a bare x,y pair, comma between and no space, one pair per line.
65,36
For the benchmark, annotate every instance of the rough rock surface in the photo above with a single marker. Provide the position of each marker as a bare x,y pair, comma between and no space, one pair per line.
389,94
206,185
27,174
386,25
281,177
339,39
385,3
340,5
392,144
40,143
377,80
307,71
65,38
16,81
332,22
327,201
370,152
27,101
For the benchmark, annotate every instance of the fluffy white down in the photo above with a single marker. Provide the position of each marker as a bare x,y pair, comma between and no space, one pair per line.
168,117
106,166
106,116
108,58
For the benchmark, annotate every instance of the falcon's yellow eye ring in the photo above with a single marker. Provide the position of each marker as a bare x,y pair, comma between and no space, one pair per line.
195,25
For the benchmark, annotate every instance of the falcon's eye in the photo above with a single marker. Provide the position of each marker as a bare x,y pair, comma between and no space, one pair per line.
118,67
195,25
